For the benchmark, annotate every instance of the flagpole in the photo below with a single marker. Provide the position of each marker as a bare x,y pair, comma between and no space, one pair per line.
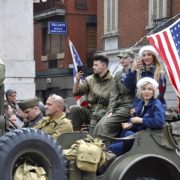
70,42
76,62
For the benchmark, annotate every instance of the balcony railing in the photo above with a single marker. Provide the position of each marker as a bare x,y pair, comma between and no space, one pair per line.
54,72
159,22
48,5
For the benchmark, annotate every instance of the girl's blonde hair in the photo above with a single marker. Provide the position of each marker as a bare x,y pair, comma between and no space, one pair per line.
158,72
155,90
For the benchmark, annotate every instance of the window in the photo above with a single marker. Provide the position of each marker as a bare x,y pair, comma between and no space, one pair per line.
81,4
157,10
52,48
91,38
110,16
52,64
52,43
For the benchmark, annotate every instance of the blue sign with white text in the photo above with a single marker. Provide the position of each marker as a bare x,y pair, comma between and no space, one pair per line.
57,28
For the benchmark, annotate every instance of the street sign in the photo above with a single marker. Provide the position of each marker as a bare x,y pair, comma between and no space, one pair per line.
57,28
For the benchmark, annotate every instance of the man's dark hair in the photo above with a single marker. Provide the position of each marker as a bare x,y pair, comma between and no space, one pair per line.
9,92
102,58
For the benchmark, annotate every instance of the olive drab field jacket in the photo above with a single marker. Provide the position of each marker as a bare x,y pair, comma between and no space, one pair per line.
120,94
55,127
97,90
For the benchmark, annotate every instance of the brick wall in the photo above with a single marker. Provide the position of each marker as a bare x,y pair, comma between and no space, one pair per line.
40,66
76,20
91,7
77,34
100,24
76,23
133,20
176,7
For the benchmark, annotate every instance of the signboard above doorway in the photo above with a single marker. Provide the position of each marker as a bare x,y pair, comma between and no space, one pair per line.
57,28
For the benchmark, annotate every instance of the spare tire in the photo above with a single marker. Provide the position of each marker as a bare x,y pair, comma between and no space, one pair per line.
39,146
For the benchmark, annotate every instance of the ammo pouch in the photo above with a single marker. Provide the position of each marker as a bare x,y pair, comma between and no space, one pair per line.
88,156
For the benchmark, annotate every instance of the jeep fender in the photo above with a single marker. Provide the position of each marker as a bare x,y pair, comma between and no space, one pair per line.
144,165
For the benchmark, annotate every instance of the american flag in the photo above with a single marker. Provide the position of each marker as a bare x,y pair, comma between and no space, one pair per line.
76,62
167,43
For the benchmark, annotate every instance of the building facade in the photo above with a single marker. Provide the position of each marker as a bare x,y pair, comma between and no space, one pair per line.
125,24
103,25
52,54
16,44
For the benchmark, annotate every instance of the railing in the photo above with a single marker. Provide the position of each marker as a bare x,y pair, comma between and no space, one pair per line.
54,72
158,22
49,4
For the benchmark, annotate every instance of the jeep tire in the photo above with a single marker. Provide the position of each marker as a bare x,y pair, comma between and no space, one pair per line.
39,146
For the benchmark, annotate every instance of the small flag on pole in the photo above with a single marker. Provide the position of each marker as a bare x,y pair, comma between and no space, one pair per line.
76,62
76,59
167,43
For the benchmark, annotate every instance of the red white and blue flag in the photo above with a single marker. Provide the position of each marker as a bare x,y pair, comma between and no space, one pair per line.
76,59
167,43
76,62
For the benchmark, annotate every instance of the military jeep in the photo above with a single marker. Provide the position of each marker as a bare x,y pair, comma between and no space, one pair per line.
155,155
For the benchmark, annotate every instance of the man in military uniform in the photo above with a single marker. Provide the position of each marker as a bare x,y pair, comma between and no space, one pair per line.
56,122
96,87
31,110
120,100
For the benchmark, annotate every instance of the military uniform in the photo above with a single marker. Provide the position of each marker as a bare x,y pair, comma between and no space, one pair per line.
97,90
55,127
29,103
34,121
119,105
